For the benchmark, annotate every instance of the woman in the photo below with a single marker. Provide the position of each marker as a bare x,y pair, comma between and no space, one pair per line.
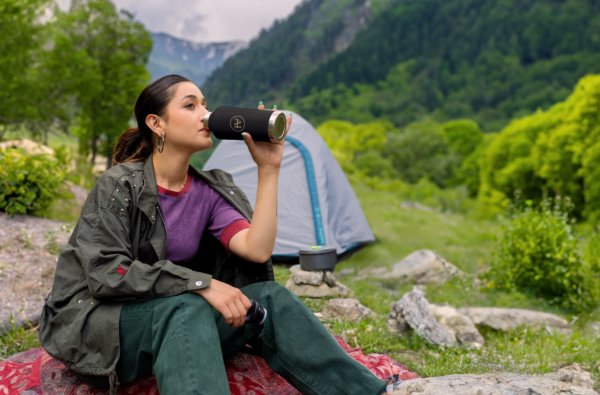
157,275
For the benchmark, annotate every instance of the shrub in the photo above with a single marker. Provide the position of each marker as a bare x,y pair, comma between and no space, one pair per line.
347,141
421,150
555,152
372,164
28,182
464,136
538,253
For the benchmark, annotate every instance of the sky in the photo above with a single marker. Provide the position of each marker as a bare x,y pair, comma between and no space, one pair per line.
206,20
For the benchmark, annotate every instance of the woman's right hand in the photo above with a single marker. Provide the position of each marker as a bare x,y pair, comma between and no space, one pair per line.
227,300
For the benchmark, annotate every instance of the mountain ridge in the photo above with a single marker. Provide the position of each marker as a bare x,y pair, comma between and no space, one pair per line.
265,69
486,60
196,61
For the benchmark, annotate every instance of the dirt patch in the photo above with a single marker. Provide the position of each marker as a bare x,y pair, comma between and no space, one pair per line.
29,249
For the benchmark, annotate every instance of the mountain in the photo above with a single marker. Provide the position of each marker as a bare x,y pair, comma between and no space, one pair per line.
264,71
195,61
487,60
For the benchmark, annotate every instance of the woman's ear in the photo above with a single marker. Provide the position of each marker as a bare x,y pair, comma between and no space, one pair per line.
156,124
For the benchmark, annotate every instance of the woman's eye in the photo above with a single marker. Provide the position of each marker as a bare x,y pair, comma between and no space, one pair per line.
189,105
207,109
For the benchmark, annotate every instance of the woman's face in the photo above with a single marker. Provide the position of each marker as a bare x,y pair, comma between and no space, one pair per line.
183,127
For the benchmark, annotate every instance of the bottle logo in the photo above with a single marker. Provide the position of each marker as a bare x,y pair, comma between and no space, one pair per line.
237,123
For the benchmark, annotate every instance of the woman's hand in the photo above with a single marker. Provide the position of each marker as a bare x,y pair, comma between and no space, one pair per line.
264,153
227,300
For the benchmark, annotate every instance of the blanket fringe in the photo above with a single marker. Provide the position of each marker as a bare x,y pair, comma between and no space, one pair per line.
113,381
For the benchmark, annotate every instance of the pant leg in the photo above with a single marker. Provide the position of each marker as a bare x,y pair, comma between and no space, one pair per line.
296,345
180,340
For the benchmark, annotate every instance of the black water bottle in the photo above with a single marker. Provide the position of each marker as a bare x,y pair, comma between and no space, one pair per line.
256,314
228,123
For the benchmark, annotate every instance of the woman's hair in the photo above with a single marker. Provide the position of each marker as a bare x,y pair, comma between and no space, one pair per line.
135,144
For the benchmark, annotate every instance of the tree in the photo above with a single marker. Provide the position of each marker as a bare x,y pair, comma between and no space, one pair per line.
21,42
421,150
556,152
101,56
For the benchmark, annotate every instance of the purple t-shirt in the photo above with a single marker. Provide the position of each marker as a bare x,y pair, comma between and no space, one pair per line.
191,211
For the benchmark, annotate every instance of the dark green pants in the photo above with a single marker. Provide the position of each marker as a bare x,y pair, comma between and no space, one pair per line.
182,340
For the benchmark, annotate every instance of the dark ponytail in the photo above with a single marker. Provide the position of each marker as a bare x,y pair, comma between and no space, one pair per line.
135,144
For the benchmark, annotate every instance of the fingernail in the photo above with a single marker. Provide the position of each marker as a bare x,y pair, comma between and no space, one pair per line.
290,114
274,106
243,136
260,103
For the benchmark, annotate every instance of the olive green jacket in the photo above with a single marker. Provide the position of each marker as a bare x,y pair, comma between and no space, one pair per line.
116,254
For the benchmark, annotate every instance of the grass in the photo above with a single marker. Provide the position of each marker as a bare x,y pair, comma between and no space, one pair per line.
463,240
18,340
467,242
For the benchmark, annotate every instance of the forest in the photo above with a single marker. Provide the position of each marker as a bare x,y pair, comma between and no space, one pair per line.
71,73
487,60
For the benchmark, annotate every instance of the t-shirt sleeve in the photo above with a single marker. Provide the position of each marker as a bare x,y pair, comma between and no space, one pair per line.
225,221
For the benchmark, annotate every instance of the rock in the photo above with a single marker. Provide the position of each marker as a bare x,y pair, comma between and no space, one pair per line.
329,279
504,319
414,309
573,374
422,267
594,327
350,309
318,291
26,266
28,146
492,384
300,276
315,284
396,322
459,325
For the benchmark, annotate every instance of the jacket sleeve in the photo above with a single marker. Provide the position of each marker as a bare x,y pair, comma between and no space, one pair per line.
103,244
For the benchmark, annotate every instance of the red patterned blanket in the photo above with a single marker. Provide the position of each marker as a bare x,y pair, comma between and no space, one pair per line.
34,372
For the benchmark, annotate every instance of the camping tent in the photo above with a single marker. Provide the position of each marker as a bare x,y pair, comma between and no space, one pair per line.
316,204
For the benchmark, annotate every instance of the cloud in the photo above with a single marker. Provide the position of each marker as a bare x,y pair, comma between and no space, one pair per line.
193,26
206,20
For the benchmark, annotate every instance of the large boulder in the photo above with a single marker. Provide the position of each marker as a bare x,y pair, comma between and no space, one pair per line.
500,384
505,319
422,267
459,325
349,309
412,310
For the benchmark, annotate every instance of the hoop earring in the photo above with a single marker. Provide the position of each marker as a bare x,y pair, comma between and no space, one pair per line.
161,148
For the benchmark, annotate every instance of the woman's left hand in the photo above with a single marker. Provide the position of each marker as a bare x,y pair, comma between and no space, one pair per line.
264,153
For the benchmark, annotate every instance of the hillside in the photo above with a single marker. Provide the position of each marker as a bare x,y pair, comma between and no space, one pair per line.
488,60
264,71
195,61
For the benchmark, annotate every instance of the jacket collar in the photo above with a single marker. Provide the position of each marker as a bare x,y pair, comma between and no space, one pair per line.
148,197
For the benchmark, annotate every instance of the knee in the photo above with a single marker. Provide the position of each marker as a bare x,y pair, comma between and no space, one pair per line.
188,303
274,286
274,289
278,294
